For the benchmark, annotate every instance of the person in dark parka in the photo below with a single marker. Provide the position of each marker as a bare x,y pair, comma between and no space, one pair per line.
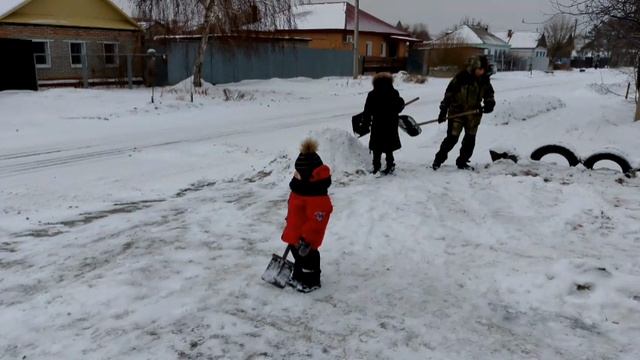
382,108
469,90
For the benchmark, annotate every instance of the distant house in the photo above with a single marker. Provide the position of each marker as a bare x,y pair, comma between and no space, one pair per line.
331,26
588,53
528,50
455,47
72,40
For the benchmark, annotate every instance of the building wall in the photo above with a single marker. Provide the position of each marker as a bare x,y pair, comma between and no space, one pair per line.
337,40
530,58
225,64
59,38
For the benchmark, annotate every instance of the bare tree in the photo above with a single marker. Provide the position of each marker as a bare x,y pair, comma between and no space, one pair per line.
559,33
219,17
599,11
420,31
473,22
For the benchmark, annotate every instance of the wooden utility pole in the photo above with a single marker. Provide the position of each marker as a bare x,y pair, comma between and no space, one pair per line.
356,43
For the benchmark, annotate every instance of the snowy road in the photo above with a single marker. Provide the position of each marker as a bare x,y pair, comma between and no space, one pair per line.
139,231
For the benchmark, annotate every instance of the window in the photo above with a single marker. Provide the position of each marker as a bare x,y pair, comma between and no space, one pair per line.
76,51
41,53
349,39
383,49
369,48
110,54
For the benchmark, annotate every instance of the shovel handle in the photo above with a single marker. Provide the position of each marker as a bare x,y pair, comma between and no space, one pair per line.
286,252
472,112
411,101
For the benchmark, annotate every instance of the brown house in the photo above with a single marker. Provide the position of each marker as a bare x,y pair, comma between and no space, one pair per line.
331,26
74,40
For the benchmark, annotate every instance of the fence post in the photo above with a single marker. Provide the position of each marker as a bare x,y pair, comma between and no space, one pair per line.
130,70
85,70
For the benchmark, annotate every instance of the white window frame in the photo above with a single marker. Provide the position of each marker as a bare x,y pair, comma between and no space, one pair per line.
369,48
383,49
116,54
82,54
47,54
349,39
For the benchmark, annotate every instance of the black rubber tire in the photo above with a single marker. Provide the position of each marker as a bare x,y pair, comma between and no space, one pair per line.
542,151
590,162
495,156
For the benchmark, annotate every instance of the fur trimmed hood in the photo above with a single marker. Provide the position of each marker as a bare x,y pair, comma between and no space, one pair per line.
383,81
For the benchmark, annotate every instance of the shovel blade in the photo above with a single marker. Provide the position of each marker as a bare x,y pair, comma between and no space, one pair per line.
278,271
409,125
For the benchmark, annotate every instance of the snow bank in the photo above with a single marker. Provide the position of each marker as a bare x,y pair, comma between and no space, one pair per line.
526,107
184,89
341,151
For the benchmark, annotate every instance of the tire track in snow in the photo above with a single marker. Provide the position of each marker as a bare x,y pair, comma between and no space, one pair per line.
34,165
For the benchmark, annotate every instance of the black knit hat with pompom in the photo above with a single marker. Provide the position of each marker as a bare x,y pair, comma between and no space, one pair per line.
308,160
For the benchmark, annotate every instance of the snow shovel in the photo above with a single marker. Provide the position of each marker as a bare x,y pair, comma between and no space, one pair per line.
279,270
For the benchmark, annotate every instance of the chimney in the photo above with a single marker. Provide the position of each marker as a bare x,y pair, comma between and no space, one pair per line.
509,33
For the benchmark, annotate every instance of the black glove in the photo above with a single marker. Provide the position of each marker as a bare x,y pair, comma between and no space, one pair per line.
487,109
303,248
442,117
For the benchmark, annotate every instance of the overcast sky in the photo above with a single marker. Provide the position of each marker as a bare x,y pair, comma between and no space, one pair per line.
501,15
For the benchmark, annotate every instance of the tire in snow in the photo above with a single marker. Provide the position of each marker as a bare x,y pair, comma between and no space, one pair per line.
621,161
542,151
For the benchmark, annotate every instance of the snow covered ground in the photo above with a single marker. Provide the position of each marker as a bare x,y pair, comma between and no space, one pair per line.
132,230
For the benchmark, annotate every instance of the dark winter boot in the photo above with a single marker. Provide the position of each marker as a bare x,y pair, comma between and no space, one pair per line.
466,150
464,166
391,166
377,162
389,169
309,281
447,144
306,271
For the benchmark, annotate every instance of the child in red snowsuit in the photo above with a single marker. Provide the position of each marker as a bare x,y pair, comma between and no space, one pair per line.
307,216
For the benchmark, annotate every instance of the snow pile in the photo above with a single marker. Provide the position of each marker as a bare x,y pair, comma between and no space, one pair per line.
341,151
410,78
526,107
185,88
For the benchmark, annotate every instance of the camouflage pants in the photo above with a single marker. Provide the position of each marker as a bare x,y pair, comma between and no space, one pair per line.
470,125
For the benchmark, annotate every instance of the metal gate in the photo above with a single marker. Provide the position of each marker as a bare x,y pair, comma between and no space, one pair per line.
17,67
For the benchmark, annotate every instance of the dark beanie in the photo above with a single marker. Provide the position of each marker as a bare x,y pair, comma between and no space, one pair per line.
308,160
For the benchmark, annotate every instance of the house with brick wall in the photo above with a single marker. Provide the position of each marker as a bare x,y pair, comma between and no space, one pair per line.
74,40
382,46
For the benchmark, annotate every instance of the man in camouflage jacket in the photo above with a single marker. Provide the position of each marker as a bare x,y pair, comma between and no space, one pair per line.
466,92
